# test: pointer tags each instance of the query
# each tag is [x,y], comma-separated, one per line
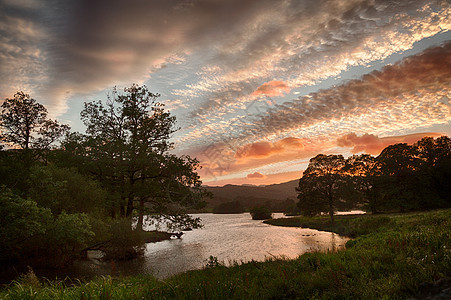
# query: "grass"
[346,225]
[390,258]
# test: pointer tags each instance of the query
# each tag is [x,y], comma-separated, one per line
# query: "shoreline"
[392,256]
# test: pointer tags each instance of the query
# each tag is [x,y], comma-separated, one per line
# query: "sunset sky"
[258,86]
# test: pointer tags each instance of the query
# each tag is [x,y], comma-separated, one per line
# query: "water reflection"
[230,238]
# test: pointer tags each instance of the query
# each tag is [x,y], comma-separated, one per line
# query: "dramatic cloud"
[255,175]
[413,92]
[272,89]
[230,69]
[410,94]
[79,46]
[370,143]
[265,149]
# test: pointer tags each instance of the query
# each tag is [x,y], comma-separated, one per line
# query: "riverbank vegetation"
[63,193]
[393,256]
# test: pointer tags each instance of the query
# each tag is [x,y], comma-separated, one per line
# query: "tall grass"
[389,259]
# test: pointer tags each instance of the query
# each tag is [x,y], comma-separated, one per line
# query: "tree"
[25,124]
[397,170]
[435,169]
[21,117]
[260,213]
[361,171]
[126,149]
[323,186]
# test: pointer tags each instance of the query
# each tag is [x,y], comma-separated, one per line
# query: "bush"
[33,235]
[125,243]
[261,213]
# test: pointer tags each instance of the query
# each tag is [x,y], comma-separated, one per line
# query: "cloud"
[255,175]
[266,149]
[272,89]
[92,46]
[269,179]
[312,41]
[372,144]
[407,94]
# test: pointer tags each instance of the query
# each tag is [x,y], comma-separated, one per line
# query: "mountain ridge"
[251,195]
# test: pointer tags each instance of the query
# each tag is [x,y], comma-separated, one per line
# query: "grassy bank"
[346,225]
[390,258]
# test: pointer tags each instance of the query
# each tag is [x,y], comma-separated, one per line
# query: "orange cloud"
[272,89]
[372,144]
[269,179]
[256,175]
[266,149]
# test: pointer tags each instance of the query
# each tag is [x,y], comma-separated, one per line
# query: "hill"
[250,195]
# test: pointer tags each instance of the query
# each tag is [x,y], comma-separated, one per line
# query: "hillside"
[250,195]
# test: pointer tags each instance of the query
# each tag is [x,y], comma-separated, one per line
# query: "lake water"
[230,238]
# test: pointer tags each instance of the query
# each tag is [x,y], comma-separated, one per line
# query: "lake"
[230,238]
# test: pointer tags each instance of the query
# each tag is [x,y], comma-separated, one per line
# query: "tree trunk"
[331,210]
[140,224]
[129,207]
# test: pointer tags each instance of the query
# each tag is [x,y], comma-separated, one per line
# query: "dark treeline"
[63,192]
[402,178]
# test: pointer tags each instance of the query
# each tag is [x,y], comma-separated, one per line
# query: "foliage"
[21,117]
[213,262]
[121,167]
[324,186]
[32,234]
[126,149]
[391,263]
[402,178]
[20,221]
[260,213]
[65,189]
[232,207]
[124,242]
[26,124]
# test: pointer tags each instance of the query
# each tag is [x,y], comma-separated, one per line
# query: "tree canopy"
[126,148]
[323,185]
[402,178]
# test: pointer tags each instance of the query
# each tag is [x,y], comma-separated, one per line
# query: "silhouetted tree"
[362,173]
[21,117]
[25,124]
[261,213]
[435,169]
[323,186]
[397,168]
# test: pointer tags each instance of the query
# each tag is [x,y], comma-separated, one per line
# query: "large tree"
[324,186]
[127,148]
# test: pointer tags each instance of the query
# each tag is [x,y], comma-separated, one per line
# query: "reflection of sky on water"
[230,238]
[235,238]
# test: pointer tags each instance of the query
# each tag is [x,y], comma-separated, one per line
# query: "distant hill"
[250,195]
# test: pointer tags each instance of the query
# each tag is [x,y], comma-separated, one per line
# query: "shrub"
[260,213]
[125,243]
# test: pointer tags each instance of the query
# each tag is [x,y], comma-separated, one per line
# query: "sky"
[258,87]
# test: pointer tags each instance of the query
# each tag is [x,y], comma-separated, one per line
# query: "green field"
[391,257]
